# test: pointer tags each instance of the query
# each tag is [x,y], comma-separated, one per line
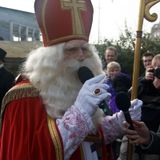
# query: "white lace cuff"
[74,126]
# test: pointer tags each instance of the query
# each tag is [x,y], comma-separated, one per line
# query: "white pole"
[99,14]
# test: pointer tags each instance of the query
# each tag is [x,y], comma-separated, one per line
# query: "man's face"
[110,56]
[76,49]
[147,61]
[78,53]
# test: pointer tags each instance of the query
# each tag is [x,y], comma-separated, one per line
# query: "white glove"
[135,109]
[87,101]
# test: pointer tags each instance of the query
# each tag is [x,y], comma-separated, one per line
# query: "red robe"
[27,132]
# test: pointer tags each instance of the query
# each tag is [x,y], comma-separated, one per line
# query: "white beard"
[57,79]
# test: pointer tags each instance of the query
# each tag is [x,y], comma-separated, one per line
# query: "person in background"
[110,55]
[149,93]
[112,69]
[117,81]
[147,59]
[50,114]
[6,77]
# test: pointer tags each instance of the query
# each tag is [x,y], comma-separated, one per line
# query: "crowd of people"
[147,132]
[48,113]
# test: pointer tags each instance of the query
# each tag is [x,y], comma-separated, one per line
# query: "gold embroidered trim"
[95,139]
[75,8]
[81,152]
[43,19]
[19,91]
[55,138]
[78,34]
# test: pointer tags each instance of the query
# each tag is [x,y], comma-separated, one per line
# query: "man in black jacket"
[149,93]
[6,78]
[148,131]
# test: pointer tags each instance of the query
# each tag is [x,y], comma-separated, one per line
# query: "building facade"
[155,31]
[16,25]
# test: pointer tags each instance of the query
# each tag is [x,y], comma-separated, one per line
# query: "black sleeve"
[154,146]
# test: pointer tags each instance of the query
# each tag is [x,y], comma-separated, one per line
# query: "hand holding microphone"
[85,74]
[91,94]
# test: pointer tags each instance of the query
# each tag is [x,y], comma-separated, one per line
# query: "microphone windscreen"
[123,101]
[84,74]
[121,82]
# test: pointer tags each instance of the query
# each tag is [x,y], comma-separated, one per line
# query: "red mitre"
[64,20]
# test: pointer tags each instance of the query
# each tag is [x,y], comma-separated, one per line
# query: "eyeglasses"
[84,48]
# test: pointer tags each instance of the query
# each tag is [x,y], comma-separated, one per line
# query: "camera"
[156,72]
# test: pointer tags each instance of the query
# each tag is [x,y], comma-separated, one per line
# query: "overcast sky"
[110,16]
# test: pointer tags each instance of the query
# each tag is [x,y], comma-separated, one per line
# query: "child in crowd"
[112,69]
[117,81]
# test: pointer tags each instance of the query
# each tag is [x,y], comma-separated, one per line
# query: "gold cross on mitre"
[75,6]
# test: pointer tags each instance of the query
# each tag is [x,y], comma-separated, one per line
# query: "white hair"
[56,78]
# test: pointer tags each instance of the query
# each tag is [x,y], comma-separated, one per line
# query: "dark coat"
[151,104]
[154,147]
[150,114]
[6,82]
